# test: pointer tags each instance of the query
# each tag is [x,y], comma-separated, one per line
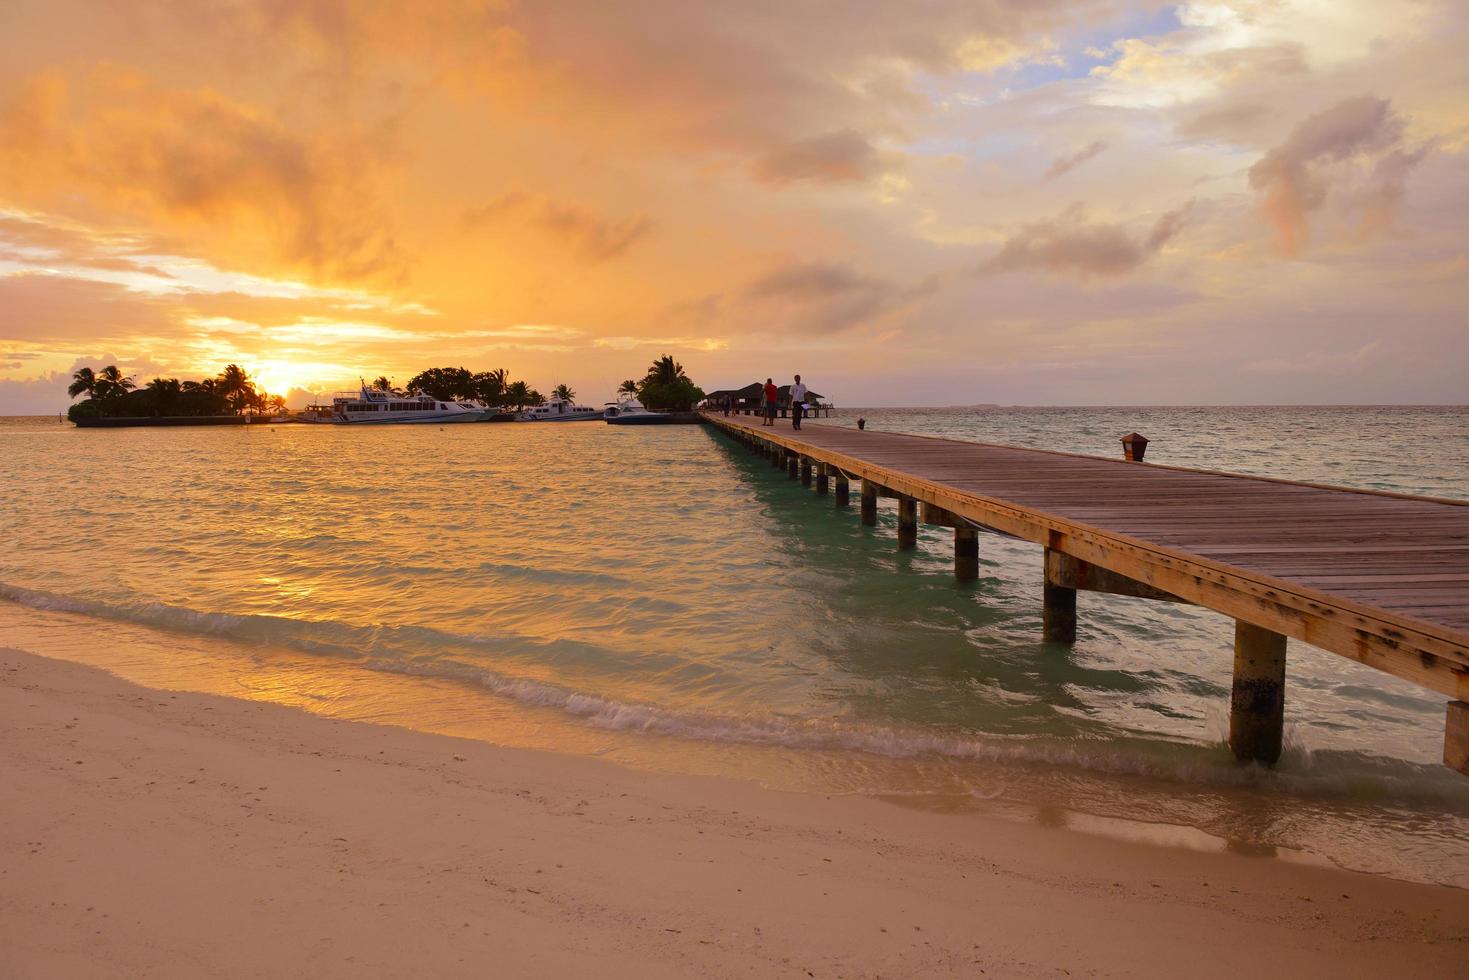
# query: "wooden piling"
[966,554]
[777,457]
[1058,612]
[907,523]
[823,478]
[1257,702]
[1456,737]
[844,489]
[1249,548]
[805,471]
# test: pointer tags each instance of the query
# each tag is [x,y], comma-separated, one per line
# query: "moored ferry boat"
[371,406]
[559,410]
[627,410]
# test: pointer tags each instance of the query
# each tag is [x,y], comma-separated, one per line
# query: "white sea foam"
[399,650]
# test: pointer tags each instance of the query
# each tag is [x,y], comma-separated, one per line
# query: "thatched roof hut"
[753,396]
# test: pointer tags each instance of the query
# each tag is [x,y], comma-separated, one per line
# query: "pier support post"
[777,457]
[823,478]
[869,503]
[805,471]
[844,490]
[1456,737]
[791,464]
[966,554]
[1058,615]
[1257,702]
[907,523]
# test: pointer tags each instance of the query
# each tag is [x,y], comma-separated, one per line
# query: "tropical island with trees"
[233,396]
[111,395]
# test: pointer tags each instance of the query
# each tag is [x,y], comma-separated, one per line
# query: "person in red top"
[771,394]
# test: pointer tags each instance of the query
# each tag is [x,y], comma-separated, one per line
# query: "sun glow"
[279,377]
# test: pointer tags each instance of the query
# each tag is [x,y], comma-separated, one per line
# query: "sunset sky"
[934,202]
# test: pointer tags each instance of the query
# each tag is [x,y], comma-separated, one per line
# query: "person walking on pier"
[798,402]
[771,393]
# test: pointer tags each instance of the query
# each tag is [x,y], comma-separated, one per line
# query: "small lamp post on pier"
[1134,446]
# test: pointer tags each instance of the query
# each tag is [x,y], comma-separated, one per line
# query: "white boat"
[558,410]
[627,410]
[369,406]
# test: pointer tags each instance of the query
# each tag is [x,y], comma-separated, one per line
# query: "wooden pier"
[1379,578]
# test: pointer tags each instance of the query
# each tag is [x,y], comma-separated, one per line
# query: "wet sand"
[165,834]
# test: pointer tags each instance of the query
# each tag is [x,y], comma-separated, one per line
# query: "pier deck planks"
[1380,578]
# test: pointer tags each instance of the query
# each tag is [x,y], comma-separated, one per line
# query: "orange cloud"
[193,166]
[589,236]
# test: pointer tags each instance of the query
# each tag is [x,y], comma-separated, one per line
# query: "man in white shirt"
[798,402]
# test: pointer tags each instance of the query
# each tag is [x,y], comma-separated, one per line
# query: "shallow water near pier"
[663,598]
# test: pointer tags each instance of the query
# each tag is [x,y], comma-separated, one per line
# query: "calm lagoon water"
[662,598]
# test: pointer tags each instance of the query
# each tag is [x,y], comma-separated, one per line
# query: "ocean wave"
[422,652]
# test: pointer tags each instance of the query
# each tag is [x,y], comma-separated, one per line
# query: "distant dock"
[1380,578]
[164,421]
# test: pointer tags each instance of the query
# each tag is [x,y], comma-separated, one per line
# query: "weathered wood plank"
[1268,552]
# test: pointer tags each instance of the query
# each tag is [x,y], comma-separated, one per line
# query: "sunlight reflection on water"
[666,599]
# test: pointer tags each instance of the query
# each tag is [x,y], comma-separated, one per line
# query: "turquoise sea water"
[662,597]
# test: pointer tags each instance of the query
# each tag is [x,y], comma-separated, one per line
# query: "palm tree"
[382,383]
[489,386]
[111,383]
[518,394]
[235,384]
[166,393]
[203,397]
[83,380]
[628,387]
[665,371]
[564,393]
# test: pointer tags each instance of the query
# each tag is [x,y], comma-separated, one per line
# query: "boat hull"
[426,420]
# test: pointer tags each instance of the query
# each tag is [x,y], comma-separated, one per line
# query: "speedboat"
[372,406]
[629,411]
[558,410]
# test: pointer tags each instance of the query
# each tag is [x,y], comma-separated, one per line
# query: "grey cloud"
[1232,123]
[811,281]
[1070,161]
[1070,244]
[844,156]
[827,296]
[1294,178]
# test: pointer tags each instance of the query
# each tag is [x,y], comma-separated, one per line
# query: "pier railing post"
[823,478]
[869,503]
[805,471]
[844,489]
[1456,737]
[907,523]
[1058,613]
[1257,701]
[966,554]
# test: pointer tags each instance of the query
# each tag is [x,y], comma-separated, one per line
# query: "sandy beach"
[175,834]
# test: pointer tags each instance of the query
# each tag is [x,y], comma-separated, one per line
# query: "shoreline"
[175,833]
